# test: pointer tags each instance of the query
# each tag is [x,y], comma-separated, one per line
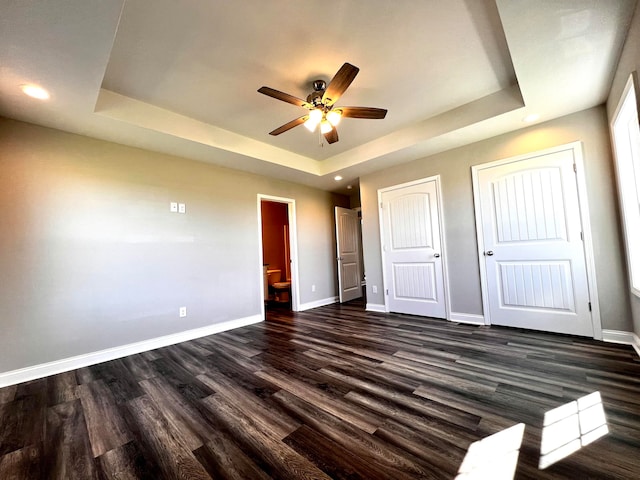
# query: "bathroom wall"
[91,258]
[274,218]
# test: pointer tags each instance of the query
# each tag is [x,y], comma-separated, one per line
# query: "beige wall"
[91,257]
[629,62]
[454,166]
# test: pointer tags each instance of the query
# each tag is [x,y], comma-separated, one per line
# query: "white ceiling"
[182,77]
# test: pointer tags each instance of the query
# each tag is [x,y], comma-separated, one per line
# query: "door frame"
[339,258]
[581,185]
[443,243]
[293,249]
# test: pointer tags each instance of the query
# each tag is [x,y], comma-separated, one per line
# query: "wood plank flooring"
[334,392]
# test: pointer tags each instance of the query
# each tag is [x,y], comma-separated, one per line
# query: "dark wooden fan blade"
[331,136]
[290,125]
[285,97]
[339,84]
[363,112]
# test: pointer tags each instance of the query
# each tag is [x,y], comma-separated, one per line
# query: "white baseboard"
[317,303]
[626,338]
[64,365]
[376,307]
[470,318]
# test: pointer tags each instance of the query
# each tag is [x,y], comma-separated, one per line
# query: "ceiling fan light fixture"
[310,125]
[325,127]
[315,117]
[334,116]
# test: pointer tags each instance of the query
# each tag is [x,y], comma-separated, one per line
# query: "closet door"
[534,257]
[411,244]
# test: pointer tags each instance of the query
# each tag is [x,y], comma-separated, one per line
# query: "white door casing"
[348,248]
[413,270]
[532,233]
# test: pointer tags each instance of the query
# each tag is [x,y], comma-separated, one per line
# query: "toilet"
[281,290]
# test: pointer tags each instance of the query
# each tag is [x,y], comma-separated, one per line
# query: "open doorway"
[278,252]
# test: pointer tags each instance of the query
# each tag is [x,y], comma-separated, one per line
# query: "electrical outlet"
[374,288]
[313,288]
[173,207]
[182,208]
[183,312]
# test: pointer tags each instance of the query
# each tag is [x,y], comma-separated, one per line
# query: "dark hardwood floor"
[334,392]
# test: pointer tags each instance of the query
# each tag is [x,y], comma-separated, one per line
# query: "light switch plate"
[173,207]
[182,208]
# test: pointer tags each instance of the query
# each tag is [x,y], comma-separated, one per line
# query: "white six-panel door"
[412,250]
[348,247]
[532,239]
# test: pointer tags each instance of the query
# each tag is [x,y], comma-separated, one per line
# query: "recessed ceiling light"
[349,187]
[337,178]
[531,118]
[35,92]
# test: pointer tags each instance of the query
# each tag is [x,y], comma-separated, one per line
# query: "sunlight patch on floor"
[494,457]
[570,427]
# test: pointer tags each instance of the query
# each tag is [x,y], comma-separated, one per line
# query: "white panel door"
[412,252]
[348,247]
[536,275]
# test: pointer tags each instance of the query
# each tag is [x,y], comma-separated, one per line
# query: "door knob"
[489,253]
[436,255]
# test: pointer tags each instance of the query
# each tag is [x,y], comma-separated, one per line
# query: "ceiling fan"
[321,105]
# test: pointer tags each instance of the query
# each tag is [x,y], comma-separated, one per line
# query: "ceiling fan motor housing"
[319,85]
[315,98]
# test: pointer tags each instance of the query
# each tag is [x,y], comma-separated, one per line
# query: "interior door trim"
[576,149]
[443,242]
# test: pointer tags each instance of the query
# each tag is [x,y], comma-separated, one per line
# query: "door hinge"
[381,205]
[582,236]
[386,291]
[589,306]
[575,168]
